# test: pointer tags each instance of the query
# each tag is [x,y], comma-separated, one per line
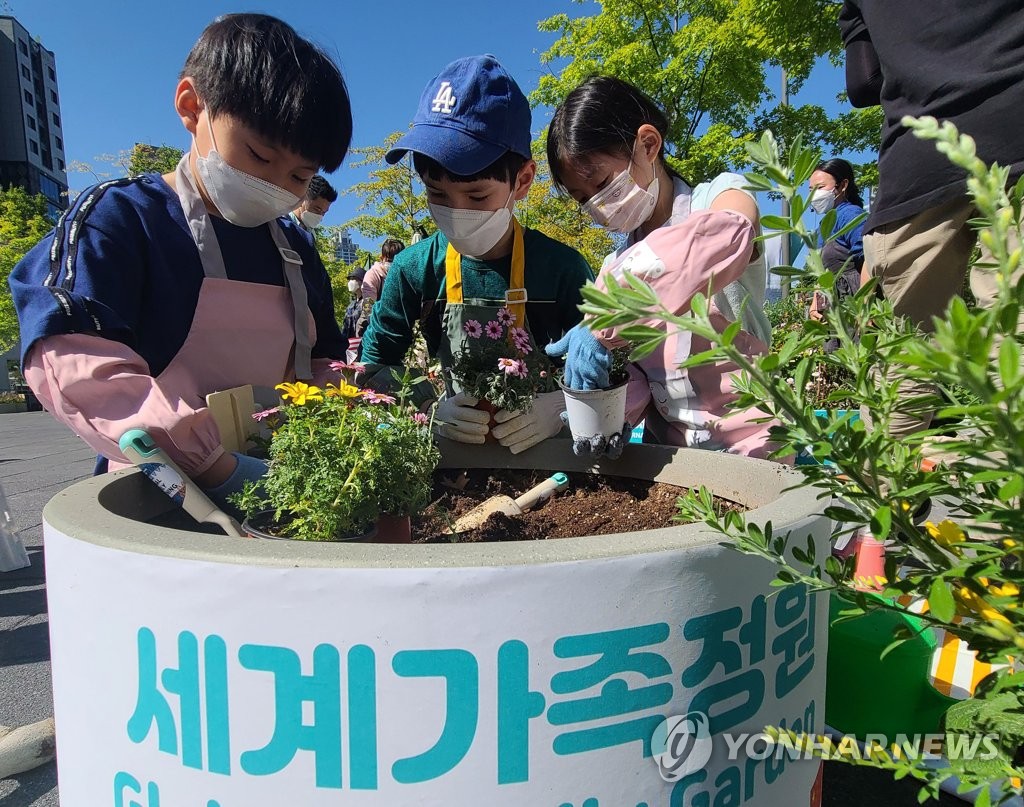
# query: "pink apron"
[242,333]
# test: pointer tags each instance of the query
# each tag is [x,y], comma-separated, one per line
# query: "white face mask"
[311,219]
[472,232]
[823,200]
[242,199]
[621,206]
[354,286]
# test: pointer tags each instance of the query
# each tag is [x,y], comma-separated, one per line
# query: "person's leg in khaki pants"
[920,263]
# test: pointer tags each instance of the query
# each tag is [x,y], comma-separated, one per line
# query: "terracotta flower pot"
[487,406]
[393,530]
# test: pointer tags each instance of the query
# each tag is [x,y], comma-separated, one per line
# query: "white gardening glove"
[456,419]
[518,431]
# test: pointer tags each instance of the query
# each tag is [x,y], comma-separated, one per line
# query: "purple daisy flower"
[473,329]
[494,329]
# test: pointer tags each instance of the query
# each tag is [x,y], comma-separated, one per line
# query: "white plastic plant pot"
[595,413]
[194,668]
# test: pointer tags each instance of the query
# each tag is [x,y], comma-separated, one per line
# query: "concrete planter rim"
[88,511]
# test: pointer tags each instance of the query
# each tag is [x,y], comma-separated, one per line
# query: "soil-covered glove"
[587,361]
[518,431]
[598,445]
[456,419]
[248,469]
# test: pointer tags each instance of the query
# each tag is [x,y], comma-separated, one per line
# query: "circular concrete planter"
[198,669]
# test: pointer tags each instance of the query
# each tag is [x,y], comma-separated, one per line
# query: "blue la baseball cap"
[470,114]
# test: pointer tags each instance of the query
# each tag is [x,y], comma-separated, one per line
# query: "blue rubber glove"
[587,361]
[249,469]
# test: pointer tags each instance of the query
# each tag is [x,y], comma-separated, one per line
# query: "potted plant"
[499,365]
[345,464]
[960,578]
[597,415]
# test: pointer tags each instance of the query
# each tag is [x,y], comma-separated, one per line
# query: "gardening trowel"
[139,447]
[509,506]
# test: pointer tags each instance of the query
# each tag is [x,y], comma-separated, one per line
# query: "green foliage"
[146,159]
[706,64]
[825,383]
[393,197]
[970,568]
[500,364]
[342,457]
[23,222]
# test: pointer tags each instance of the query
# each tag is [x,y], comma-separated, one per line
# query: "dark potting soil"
[591,505]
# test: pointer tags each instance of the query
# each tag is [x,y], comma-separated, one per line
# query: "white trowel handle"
[544,490]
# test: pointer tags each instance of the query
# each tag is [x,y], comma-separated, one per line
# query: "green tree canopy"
[394,201]
[23,222]
[706,63]
[145,159]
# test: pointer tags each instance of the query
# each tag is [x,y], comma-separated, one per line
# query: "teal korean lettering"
[124,783]
[794,611]
[461,676]
[615,658]
[198,698]
[291,690]
[517,705]
[724,637]
[362,718]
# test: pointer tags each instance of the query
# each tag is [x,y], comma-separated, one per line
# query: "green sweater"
[414,290]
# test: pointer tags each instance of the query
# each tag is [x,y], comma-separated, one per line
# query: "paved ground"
[39,457]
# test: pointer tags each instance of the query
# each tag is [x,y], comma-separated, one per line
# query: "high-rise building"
[31,135]
[345,249]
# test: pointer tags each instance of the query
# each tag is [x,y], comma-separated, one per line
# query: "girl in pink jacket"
[605,149]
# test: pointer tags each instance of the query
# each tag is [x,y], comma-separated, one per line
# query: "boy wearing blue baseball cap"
[470,142]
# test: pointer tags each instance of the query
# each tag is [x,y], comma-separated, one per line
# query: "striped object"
[954,670]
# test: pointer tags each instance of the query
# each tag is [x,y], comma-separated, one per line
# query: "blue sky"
[118,61]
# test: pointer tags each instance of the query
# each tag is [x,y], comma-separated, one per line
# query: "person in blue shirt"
[153,292]
[833,187]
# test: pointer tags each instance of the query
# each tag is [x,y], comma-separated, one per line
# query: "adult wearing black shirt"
[956,61]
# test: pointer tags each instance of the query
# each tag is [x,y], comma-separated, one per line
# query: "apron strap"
[515,297]
[292,263]
[199,222]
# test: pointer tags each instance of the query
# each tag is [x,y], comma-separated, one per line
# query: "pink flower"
[543,373]
[515,367]
[473,329]
[344,366]
[494,329]
[421,418]
[506,317]
[521,340]
[370,396]
[266,413]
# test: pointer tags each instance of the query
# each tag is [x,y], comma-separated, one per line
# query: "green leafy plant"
[499,363]
[340,457]
[969,567]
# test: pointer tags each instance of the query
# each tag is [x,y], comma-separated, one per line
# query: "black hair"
[839,170]
[320,188]
[601,115]
[505,169]
[257,69]
[390,248]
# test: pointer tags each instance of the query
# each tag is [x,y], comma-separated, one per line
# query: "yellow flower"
[1009,543]
[346,390]
[946,534]
[1005,590]
[976,604]
[300,392]
[905,505]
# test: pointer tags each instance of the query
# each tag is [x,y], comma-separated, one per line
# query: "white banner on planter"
[199,684]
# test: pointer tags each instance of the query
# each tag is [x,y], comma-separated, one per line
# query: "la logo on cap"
[444,101]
